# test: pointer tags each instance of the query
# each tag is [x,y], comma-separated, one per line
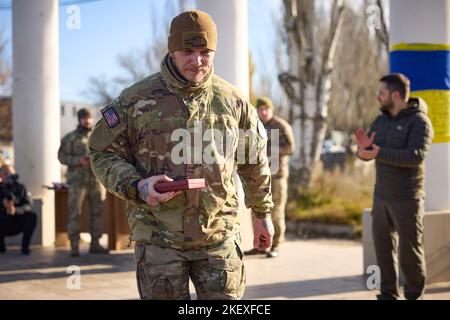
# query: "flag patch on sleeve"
[111,117]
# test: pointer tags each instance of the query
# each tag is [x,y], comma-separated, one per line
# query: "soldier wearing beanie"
[286,144]
[84,113]
[73,153]
[190,234]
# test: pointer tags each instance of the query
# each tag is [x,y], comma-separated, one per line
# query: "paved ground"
[306,269]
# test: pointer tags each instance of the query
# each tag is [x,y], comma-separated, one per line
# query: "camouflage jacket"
[135,140]
[74,146]
[286,145]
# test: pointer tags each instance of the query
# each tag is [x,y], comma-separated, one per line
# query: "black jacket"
[13,189]
[404,141]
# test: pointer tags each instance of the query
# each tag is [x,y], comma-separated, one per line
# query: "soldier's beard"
[198,77]
[86,127]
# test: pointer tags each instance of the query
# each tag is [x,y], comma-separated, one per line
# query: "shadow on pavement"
[437,290]
[46,263]
[306,288]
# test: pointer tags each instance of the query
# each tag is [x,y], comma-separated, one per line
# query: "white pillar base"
[437,186]
[436,242]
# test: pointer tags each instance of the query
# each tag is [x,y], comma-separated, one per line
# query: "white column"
[427,22]
[36,110]
[232,47]
[232,64]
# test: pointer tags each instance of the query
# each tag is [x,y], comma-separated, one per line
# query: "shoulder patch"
[111,117]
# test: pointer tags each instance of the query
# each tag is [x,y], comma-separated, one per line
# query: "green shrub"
[334,197]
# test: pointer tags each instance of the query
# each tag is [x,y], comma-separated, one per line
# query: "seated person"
[16,212]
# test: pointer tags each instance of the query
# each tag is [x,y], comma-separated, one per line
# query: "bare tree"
[308,84]
[381,30]
[359,64]
[274,63]
[101,90]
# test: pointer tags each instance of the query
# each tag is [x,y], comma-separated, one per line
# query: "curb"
[307,229]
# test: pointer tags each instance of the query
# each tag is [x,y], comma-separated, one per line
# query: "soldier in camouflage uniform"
[194,233]
[280,177]
[73,153]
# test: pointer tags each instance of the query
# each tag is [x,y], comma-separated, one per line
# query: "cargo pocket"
[141,277]
[155,282]
[243,276]
[226,274]
[161,280]
[239,249]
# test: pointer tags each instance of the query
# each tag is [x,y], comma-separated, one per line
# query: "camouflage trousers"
[78,192]
[217,273]
[279,197]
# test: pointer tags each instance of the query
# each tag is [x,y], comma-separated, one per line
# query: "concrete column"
[231,17]
[232,64]
[36,110]
[427,23]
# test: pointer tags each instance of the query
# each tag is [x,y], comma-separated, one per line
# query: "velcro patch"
[111,117]
[195,39]
[196,42]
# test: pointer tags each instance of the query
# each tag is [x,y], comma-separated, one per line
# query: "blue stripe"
[427,70]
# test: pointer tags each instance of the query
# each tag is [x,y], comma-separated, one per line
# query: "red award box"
[178,185]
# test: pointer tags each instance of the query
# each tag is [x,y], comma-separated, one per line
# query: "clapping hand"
[363,140]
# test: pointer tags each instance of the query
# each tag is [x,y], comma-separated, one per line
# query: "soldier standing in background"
[73,153]
[271,122]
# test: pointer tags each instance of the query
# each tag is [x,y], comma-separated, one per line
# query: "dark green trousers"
[398,232]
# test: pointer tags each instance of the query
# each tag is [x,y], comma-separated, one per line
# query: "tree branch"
[286,81]
[337,21]
[382,33]
[306,30]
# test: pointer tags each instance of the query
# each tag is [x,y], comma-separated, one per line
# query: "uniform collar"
[180,85]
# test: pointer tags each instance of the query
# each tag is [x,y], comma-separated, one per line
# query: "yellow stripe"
[419,47]
[438,102]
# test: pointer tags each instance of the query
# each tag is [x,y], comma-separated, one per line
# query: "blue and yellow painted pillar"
[420,49]
[428,68]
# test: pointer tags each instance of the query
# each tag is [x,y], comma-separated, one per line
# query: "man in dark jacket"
[16,212]
[398,141]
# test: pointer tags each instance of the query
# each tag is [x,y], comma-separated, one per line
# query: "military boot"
[253,252]
[74,249]
[273,253]
[97,248]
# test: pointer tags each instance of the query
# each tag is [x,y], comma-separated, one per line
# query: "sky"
[109,28]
